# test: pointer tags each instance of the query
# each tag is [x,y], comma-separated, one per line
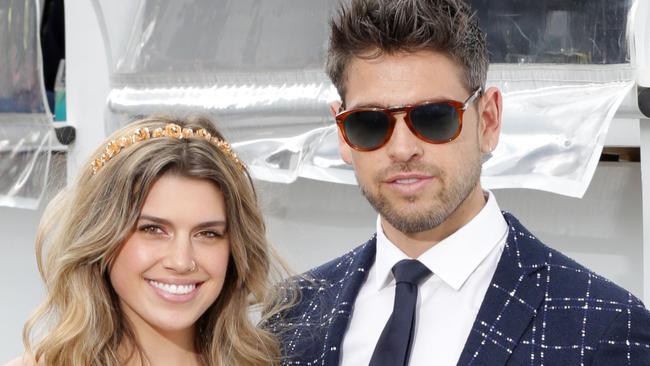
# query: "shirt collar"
[454,258]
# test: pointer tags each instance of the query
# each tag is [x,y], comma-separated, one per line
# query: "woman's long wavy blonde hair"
[80,322]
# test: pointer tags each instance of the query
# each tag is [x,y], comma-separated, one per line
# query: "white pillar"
[644,125]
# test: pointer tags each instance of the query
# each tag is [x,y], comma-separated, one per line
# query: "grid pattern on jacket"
[541,308]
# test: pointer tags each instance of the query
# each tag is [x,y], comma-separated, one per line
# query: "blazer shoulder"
[614,321]
[569,274]
[566,277]
[322,296]
[337,268]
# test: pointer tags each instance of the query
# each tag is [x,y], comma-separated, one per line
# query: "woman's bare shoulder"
[24,360]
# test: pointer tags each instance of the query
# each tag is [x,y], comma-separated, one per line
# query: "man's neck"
[414,244]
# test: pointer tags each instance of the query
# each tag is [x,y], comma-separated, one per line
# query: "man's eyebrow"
[387,106]
[369,105]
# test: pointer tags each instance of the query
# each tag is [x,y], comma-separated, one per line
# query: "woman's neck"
[161,348]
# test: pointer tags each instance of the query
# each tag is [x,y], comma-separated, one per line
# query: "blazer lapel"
[511,301]
[355,275]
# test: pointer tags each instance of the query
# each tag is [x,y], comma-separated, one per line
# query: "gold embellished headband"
[170,130]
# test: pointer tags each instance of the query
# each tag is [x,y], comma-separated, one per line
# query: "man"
[448,279]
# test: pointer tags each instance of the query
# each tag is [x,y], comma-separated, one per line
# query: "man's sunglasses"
[367,129]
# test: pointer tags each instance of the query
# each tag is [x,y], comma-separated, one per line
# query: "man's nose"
[403,145]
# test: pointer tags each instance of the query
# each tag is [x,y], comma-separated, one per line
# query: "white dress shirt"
[448,300]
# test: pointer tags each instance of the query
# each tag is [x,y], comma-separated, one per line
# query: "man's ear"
[490,109]
[344,149]
[335,106]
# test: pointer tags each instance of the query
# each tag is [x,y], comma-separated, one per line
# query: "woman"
[153,256]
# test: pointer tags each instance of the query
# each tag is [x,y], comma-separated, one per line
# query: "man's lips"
[408,178]
[408,183]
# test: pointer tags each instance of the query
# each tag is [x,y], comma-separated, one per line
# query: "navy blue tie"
[394,345]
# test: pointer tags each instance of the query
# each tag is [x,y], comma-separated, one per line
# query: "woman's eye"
[209,234]
[151,229]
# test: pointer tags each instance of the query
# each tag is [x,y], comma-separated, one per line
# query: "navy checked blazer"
[541,308]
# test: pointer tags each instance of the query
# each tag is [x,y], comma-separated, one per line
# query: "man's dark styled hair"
[371,28]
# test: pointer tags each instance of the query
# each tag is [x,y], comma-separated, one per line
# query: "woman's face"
[173,266]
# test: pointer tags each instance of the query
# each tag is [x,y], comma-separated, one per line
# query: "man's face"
[413,184]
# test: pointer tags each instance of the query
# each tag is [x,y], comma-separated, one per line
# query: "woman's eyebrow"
[159,220]
[155,219]
[215,223]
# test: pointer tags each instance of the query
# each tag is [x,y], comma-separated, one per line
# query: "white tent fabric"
[256,68]
[25,121]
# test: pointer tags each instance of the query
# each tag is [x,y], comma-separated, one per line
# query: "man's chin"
[412,221]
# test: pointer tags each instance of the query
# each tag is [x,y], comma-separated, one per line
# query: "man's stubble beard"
[438,208]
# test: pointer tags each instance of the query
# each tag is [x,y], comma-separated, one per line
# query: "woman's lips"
[175,291]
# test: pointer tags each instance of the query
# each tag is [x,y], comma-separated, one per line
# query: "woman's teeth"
[173,289]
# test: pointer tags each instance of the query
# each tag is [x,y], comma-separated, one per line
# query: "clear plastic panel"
[555,31]
[20,75]
[257,68]
[554,125]
[25,123]
[238,36]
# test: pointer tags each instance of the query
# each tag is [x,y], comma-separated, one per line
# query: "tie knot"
[410,271]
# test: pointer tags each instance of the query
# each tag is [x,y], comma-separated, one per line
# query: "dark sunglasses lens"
[366,129]
[437,122]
